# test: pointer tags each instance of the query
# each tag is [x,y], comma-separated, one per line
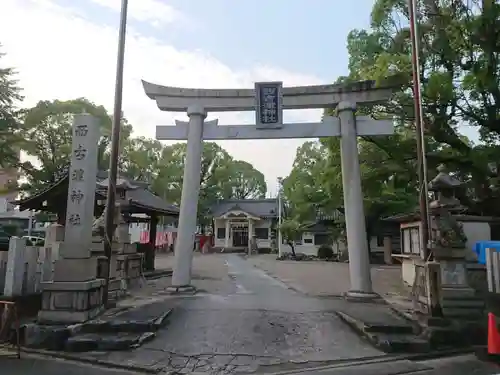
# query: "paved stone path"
[252,322]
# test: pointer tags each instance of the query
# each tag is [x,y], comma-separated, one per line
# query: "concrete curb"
[92,361]
[374,360]
[341,364]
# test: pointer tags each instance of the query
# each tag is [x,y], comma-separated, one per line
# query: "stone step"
[399,343]
[107,341]
[386,331]
[388,324]
[388,328]
[128,323]
[459,334]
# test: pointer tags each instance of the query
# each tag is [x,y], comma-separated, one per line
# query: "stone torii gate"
[269,99]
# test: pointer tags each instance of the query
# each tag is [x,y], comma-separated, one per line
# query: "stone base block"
[54,233]
[361,296]
[103,264]
[129,248]
[97,248]
[184,289]
[120,266]
[71,302]
[133,270]
[75,270]
[117,288]
[73,251]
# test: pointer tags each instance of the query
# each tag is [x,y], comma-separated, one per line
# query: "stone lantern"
[456,297]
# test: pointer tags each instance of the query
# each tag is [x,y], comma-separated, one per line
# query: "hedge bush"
[325,252]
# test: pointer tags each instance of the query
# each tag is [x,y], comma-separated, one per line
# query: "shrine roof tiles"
[264,208]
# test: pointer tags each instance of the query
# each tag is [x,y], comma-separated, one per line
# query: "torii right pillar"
[359,258]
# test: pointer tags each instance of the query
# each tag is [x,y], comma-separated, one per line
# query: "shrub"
[325,252]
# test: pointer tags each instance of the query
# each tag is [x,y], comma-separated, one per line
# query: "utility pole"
[431,271]
[115,146]
[419,129]
[280,217]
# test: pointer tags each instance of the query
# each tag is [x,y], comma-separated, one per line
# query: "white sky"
[61,54]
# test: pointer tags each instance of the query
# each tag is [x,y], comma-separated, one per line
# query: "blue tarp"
[480,249]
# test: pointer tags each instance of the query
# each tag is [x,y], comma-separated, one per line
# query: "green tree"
[140,158]
[315,184]
[291,230]
[10,96]
[460,75]
[304,187]
[221,177]
[245,182]
[47,138]
[214,170]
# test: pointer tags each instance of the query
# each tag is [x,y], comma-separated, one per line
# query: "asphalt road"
[459,365]
[263,319]
[33,365]
[462,365]
[260,327]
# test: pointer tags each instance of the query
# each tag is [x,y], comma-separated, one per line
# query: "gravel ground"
[318,278]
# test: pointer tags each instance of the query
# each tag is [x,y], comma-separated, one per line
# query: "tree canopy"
[46,133]
[46,139]
[10,98]
[222,177]
[460,74]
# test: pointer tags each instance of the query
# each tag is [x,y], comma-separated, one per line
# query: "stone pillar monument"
[181,276]
[359,258]
[75,295]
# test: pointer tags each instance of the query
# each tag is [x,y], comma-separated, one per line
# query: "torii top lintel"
[178,99]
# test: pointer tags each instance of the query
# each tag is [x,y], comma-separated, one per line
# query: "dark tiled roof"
[317,227]
[140,196]
[265,208]
[146,199]
[102,175]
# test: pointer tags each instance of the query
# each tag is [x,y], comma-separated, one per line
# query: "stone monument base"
[451,295]
[117,288]
[361,296]
[133,271]
[71,302]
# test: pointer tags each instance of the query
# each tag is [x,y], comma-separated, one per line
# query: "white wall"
[305,246]
[264,243]
[308,247]
[219,242]
[4,205]
[408,271]
[261,243]
[475,231]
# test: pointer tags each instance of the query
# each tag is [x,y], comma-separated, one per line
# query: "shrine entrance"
[239,233]
[268,100]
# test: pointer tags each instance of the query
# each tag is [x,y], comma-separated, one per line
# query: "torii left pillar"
[181,276]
